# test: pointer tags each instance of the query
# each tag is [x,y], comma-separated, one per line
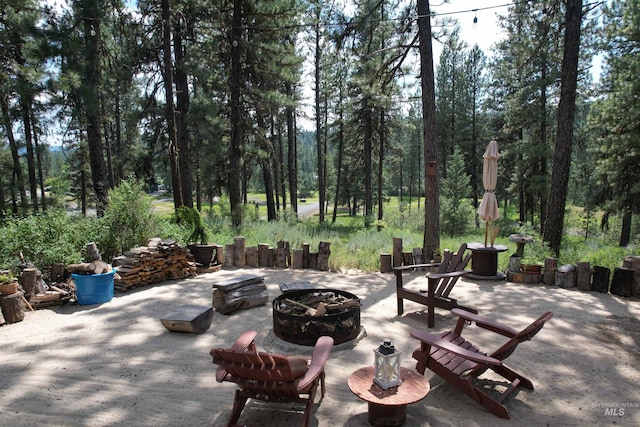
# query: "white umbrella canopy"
[488,209]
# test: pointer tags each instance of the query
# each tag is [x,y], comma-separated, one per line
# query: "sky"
[485,33]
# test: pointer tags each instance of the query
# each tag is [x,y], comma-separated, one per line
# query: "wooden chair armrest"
[450,274]
[412,266]
[243,343]
[436,341]
[318,359]
[485,323]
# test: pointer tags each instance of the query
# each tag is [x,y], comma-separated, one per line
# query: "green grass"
[352,244]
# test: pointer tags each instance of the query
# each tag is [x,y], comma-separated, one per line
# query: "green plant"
[191,219]
[128,221]
[7,277]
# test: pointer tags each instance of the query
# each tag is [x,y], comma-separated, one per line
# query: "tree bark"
[431,212]
[182,104]
[17,168]
[92,20]
[291,154]
[566,115]
[235,140]
[167,66]
[321,184]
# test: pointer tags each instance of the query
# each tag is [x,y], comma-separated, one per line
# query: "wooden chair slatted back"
[254,367]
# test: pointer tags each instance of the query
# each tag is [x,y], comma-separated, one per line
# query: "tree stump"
[549,274]
[272,257]
[313,261]
[297,259]
[251,255]
[385,263]
[407,258]
[397,251]
[263,255]
[228,255]
[13,307]
[189,318]
[566,276]
[32,282]
[57,273]
[239,293]
[583,274]
[219,254]
[305,255]
[417,256]
[287,251]
[281,257]
[622,282]
[92,252]
[600,282]
[323,256]
[239,256]
[633,262]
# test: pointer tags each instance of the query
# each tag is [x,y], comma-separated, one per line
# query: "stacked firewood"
[159,261]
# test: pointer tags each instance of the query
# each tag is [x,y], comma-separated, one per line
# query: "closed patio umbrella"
[488,209]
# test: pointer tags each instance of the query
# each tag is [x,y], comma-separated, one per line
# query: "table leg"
[383,415]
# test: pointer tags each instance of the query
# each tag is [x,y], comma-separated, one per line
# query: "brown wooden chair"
[271,377]
[460,362]
[439,284]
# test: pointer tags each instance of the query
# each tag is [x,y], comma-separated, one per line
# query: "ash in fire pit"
[302,316]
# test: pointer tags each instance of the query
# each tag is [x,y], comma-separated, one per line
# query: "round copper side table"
[388,407]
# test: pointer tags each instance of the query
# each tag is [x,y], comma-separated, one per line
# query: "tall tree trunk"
[431,241]
[25,106]
[566,114]
[91,100]
[182,104]
[625,233]
[366,154]
[107,142]
[17,168]
[339,160]
[170,113]
[380,166]
[38,149]
[321,184]
[292,151]
[235,140]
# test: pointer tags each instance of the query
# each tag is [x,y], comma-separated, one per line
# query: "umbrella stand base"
[484,261]
[499,276]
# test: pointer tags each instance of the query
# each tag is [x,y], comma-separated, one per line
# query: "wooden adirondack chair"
[271,377]
[460,362]
[439,284]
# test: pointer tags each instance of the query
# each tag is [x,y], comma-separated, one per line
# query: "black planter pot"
[202,254]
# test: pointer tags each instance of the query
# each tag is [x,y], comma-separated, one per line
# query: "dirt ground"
[114,364]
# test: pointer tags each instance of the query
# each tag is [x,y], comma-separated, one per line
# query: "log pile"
[317,304]
[159,261]
[56,293]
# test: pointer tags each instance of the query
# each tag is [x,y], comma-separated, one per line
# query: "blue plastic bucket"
[94,288]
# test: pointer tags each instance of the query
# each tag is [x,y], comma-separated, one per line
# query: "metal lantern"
[386,365]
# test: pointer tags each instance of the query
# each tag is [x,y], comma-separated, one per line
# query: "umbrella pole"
[486,232]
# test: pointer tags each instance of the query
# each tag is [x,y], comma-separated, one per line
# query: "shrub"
[128,221]
[44,239]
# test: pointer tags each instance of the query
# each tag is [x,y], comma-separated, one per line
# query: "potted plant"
[197,240]
[8,283]
[530,266]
